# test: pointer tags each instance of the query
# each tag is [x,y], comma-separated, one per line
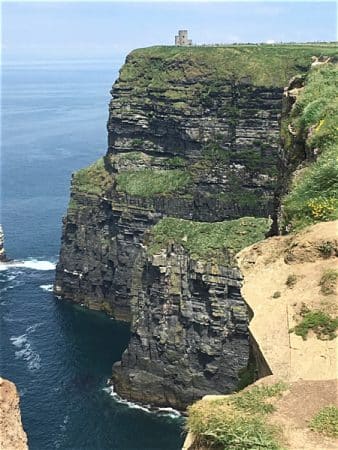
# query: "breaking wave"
[25,350]
[170,412]
[47,287]
[34,264]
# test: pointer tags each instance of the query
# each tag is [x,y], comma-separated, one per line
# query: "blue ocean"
[59,355]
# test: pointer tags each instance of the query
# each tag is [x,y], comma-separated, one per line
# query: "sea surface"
[59,355]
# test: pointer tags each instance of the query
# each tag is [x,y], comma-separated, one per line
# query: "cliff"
[294,325]
[12,436]
[290,286]
[193,142]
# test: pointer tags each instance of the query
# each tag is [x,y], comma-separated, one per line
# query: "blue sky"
[109,30]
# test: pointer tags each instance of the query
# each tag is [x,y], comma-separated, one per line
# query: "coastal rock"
[3,257]
[12,435]
[189,331]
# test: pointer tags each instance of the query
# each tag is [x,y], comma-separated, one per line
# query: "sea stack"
[2,248]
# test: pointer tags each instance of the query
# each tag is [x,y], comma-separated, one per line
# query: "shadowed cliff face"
[189,331]
[192,134]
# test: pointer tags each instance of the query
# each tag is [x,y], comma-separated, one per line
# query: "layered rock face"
[189,331]
[192,134]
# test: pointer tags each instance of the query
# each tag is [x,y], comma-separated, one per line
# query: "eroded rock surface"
[12,434]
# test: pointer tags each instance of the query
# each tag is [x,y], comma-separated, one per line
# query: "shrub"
[322,208]
[319,322]
[291,280]
[327,249]
[276,294]
[326,421]
[328,281]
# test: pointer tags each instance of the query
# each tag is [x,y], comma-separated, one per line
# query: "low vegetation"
[149,182]
[208,239]
[237,421]
[327,249]
[322,324]
[267,65]
[314,193]
[326,421]
[94,179]
[291,280]
[328,281]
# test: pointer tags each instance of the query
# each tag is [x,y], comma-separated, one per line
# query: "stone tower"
[182,38]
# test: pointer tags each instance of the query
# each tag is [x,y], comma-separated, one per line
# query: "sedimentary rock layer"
[192,134]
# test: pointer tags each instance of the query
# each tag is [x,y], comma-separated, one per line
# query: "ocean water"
[60,355]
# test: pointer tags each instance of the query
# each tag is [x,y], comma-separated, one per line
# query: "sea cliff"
[188,180]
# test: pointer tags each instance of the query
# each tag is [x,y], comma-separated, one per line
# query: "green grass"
[148,182]
[326,421]
[314,194]
[238,421]
[208,239]
[328,281]
[323,325]
[266,65]
[94,179]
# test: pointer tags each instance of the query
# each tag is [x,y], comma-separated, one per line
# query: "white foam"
[18,341]
[32,328]
[47,287]
[26,351]
[34,264]
[33,358]
[146,408]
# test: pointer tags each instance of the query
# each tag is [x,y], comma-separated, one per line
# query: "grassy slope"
[237,422]
[314,193]
[208,239]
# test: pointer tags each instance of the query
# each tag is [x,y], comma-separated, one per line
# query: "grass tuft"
[323,325]
[237,421]
[328,281]
[291,280]
[326,421]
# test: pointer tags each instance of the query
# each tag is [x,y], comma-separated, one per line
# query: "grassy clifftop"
[266,65]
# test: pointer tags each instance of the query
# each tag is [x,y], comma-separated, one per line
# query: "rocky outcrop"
[12,436]
[192,134]
[189,331]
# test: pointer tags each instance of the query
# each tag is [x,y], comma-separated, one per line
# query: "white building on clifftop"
[182,38]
